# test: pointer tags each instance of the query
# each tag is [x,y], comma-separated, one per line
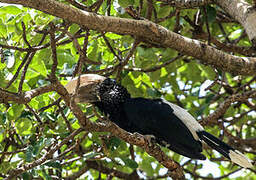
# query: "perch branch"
[148,31]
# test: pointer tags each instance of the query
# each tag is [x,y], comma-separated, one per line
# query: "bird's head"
[88,88]
[95,88]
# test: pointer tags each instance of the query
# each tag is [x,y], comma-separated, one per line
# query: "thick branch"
[149,32]
[6,96]
[176,171]
[28,95]
[220,111]
[187,3]
[24,98]
[243,12]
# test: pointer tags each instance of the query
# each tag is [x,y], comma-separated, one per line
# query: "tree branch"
[152,149]
[24,98]
[243,12]
[149,32]
[156,67]
[213,117]
[185,4]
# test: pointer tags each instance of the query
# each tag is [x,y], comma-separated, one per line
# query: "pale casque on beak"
[87,90]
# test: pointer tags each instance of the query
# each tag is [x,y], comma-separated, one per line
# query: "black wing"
[154,117]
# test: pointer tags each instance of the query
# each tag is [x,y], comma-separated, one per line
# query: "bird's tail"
[227,151]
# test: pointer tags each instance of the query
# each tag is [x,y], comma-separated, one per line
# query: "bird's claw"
[151,139]
[165,144]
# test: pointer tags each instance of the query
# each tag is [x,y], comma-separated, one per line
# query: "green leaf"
[235,34]
[40,67]
[146,166]
[146,79]
[127,80]
[64,56]
[15,111]
[209,97]
[3,118]
[32,73]
[5,167]
[175,86]
[164,11]
[2,136]
[200,111]
[14,10]
[45,175]
[125,3]
[74,28]
[154,76]
[193,72]
[3,28]
[230,112]
[29,153]
[75,125]
[147,53]
[163,72]
[53,164]
[2,66]
[92,50]
[207,72]
[23,126]
[211,13]
[113,143]
[113,36]
[43,55]
[39,145]
[25,176]
[183,68]
[130,163]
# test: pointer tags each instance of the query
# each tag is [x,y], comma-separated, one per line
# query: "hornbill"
[169,124]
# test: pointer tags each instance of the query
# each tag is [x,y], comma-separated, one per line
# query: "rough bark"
[187,3]
[243,12]
[149,32]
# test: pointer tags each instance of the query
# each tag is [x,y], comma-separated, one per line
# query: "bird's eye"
[109,82]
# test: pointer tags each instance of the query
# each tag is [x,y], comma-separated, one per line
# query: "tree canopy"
[198,54]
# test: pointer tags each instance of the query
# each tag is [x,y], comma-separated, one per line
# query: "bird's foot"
[151,139]
[165,144]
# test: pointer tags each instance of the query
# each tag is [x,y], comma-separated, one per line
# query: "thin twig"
[23,74]
[54,51]
[156,67]
[35,114]
[78,5]
[207,25]
[110,47]
[24,34]
[127,58]
[18,70]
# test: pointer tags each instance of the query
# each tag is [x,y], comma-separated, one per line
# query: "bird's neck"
[111,101]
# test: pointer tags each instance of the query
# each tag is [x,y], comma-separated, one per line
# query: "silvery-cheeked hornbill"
[171,125]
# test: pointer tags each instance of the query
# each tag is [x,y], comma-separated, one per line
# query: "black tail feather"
[215,143]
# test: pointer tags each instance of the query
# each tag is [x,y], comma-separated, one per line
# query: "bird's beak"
[87,92]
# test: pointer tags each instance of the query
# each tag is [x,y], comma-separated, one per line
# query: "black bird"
[169,124]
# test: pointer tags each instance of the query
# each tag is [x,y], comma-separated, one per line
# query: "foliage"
[28,131]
